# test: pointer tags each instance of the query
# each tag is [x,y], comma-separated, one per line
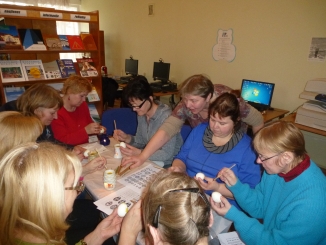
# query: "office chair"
[185,131]
[125,118]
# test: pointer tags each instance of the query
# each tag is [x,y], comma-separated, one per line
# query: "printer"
[313,112]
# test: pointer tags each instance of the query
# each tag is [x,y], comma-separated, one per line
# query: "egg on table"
[216,196]
[122,210]
[86,153]
[123,144]
[200,175]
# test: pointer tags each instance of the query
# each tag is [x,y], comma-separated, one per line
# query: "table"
[276,113]
[291,118]
[95,187]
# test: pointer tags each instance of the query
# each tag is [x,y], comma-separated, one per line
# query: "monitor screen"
[258,94]
[131,67]
[161,71]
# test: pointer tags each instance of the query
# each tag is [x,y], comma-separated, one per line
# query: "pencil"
[220,175]
[115,125]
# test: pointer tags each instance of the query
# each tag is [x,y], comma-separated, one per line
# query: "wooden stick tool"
[220,175]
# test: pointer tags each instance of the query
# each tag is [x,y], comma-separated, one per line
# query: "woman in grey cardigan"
[150,115]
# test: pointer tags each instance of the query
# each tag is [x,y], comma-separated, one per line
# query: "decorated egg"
[123,144]
[102,131]
[216,196]
[200,175]
[86,153]
[122,210]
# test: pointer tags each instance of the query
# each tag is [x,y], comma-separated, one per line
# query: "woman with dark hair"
[219,144]
[151,115]
[197,93]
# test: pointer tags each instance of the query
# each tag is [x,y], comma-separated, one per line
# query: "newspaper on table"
[132,190]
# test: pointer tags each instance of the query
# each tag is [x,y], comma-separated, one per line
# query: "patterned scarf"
[211,147]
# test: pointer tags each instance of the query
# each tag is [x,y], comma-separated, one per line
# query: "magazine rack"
[45,19]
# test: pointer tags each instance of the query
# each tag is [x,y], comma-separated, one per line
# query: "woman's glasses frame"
[80,187]
[138,106]
[192,190]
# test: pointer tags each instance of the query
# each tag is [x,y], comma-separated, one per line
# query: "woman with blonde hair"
[290,198]
[74,123]
[16,129]
[175,210]
[38,186]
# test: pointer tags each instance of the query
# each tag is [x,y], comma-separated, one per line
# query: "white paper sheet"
[230,238]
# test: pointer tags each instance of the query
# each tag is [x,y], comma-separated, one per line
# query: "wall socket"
[150,9]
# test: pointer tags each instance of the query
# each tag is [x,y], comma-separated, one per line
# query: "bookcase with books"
[15,74]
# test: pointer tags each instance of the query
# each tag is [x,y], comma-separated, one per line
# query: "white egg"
[216,196]
[102,131]
[200,175]
[86,153]
[122,210]
[123,144]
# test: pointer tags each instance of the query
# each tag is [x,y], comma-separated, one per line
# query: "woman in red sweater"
[74,123]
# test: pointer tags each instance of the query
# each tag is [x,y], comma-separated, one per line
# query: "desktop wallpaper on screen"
[257,92]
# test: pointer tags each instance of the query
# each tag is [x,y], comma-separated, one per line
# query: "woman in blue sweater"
[221,143]
[290,199]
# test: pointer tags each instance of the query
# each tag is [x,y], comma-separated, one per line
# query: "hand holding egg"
[102,130]
[86,153]
[216,196]
[122,210]
[200,175]
[123,144]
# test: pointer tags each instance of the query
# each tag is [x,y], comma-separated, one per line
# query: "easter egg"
[122,210]
[200,175]
[86,153]
[123,144]
[216,196]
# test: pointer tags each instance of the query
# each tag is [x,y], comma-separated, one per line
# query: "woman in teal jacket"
[290,198]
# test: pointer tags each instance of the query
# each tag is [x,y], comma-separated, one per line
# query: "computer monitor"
[257,94]
[161,71]
[131,67]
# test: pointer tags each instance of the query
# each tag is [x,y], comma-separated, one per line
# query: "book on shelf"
[93,95]
[88,41]
[52,42]
[94,113]
[66,67]
[12,93]
[51,70]
[32,39]
[33,70]
[64,42]
[75,42]
[87,67]
[9,35]
[11,71]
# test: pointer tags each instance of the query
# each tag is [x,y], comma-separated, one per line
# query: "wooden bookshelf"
[45,19]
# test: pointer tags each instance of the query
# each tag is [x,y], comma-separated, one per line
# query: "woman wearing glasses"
[197,93]
[175,210]
[290,198]
[74,124]
[151,115]
[220,143]
[38,186]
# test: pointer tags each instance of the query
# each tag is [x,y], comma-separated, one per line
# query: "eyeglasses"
[263,159]
[193,190]
[80,187]
[138,106]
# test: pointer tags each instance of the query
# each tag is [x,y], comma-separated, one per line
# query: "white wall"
[272,40]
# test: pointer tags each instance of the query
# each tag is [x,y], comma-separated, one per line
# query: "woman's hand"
[93,128]
[121,136]
[208,184]
[228,176]
[130,150]
[221,208]
[131,225]
[79,152]
[177,166]
[94,165]
[104,230]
